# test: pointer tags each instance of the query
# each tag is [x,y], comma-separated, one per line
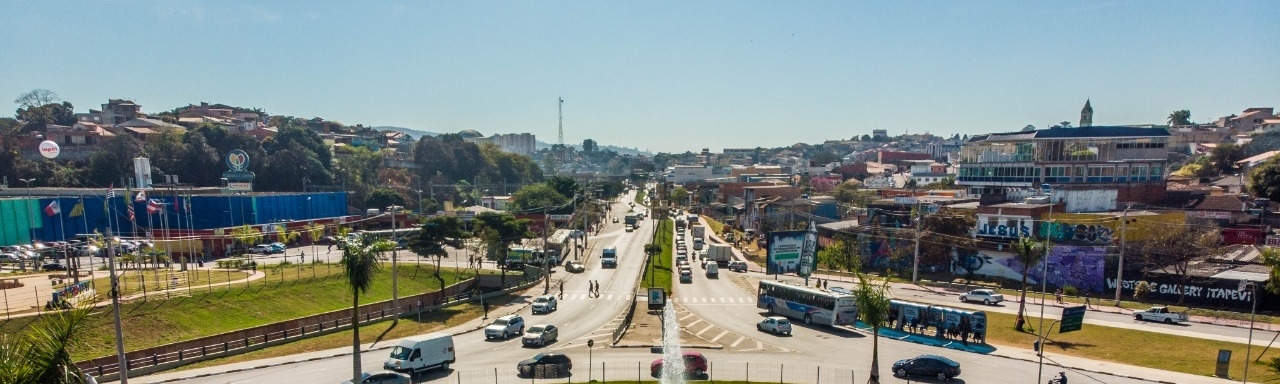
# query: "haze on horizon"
[660,76]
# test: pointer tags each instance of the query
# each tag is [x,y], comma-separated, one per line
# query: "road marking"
[722,333]
[687,316]
[695,322]
[704,330]
[315,370]
[736,342]
[610,297]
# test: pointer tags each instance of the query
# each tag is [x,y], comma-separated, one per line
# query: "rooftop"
[1064,133]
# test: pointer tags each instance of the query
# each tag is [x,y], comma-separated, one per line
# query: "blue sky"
[658,75]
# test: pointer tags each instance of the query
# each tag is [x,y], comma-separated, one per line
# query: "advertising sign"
[49,149]
[240,186]
[238,167]
[1072,319]
[807,255]
[784,249]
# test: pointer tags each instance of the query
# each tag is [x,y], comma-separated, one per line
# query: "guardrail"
[144,363]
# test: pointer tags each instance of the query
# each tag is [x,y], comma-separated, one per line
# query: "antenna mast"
[561,109]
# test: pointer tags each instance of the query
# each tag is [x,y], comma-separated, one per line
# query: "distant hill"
[417,134]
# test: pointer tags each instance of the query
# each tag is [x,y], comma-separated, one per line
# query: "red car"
[695,366]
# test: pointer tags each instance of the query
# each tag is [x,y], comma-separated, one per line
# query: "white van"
[420,353]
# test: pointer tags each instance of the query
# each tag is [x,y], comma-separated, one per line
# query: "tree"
[842,255]
[846,192]
[359,264]
[1174,250]
[498,232]
[113,159]
[1264,179]
[679,195]
[1225,157]
[1180,117]
[652,249]
[539,197]
[873,307]
[36,98]
[589,145]
[247,235]
[1271,259]
[865,138]
[383,197]
[565,186]
[1030,252]
[435,234]
[42,354]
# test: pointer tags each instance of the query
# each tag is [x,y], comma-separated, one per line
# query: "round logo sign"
[237,160]
[49,149]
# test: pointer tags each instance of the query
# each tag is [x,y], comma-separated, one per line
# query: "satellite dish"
[49,149]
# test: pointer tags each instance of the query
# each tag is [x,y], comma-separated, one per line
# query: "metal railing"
[623,371]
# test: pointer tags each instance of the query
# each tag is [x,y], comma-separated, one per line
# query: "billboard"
[784,249]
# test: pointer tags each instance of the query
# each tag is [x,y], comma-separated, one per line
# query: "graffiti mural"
[884,253]
[1090,233]
[1078,266]
[968,261]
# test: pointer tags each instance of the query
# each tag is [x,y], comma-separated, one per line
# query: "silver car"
[383,377]
[986,296]
[540,335]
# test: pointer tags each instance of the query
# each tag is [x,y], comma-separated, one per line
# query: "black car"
[928,365]
[545,365]
[53,267]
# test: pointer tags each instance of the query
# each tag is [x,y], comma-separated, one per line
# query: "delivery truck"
[420,353]
[720,253]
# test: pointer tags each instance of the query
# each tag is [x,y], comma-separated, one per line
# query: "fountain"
[672,357]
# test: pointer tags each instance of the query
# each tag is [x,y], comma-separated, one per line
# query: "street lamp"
[1044,279]
[1253,287]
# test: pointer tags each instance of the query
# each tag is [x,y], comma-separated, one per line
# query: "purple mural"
[1078,266]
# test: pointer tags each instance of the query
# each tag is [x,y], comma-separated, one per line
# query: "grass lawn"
[658,272]
[640,197]
[285,293]
[1148,349]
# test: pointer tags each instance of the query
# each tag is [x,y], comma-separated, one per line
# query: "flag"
[111,194]
[154,206]
[78,209]
[53,209]
[129,204]
[142,196]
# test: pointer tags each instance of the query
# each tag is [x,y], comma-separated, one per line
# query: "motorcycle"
[1061,379]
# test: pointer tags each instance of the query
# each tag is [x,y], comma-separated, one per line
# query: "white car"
[504,327]
[544,304]
[261,248]
[775,324]
[986,296]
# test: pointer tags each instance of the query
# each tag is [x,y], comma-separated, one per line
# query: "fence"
[173,355]
[622,371]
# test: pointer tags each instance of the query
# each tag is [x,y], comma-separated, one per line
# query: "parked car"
[695,365]
[544,304]
[277,247]
[548,363]
[1161,314]
[53,267]
[504,327]
[775,324]
[574,267]
[615,220]
[986,296]
[738,266]
[8,257]
[382,377]
[541,335]
[939,367]
[261,248]
[327,240]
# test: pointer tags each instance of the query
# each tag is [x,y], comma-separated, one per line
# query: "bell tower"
[1086,115]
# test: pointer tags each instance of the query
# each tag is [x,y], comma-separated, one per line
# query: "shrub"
[1071,290]
[1141,290]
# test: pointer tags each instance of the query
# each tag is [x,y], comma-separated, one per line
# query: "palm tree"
[1180,117]
[653,249]
[41,354]
[359,264]
[873,308]
[1030,252]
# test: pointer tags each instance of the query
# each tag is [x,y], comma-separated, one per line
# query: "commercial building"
[1088,169]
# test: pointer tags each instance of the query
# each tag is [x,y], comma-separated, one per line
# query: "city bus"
[812,305]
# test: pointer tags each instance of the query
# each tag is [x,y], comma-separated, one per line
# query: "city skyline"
[666,76]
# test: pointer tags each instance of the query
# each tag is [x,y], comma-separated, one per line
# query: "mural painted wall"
[1097,229]
[1082,267]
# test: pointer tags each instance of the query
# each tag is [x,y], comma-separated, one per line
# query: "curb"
[693,346]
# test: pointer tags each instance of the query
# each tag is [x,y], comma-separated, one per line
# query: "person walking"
[561,290]
[484,306]
[1057,295]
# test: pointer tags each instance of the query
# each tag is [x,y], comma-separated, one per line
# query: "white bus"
[812,305]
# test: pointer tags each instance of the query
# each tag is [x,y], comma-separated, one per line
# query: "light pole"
[395,292]
[1124,225]
[1253,287]
[1044,279]
[30,218]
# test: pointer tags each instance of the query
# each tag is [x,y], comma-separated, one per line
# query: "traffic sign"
[1072,319]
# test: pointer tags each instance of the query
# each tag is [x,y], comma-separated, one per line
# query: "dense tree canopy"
[1264,179]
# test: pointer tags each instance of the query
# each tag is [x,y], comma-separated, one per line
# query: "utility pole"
[561,111]
[915,264]
[546,258]
[395,292]
[1044,279]
[115,310]
[1124,224]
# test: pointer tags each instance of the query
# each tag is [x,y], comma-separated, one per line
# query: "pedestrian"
[1057,295]
[1087,303]
[484,305]
[303,257]
[824,283]
[330,248]
[561,290]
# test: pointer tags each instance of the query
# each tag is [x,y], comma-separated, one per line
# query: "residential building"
[756,170]
[115,111]
[681,174]
[879,134]
[898,158]
[518,143]
[1088,169]
[1256,159]
[499,203]
[1250,120]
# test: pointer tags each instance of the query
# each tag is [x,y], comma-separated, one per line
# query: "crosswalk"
[708,300]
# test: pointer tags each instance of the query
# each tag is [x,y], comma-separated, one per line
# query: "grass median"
[284,293]
[1127,346]
[657,273]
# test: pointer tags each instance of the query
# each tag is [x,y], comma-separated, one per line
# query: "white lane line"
[686,316]
[722,333]
[704,330]
[736,342]
[695,322]
[315,370]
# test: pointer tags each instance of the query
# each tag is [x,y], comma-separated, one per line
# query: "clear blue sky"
[662,75]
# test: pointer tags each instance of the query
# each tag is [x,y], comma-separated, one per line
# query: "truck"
[609,257]
[420,353]
[1161,314]
[720,253]
[699,231]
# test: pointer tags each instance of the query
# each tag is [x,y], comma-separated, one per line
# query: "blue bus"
[812,305]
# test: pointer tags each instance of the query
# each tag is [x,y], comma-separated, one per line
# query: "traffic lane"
[1199,330]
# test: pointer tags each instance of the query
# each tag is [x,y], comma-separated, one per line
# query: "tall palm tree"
[1030,252]
[873,308]
[359,264]
[1180,117]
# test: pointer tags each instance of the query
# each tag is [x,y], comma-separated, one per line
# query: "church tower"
[1086,115]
